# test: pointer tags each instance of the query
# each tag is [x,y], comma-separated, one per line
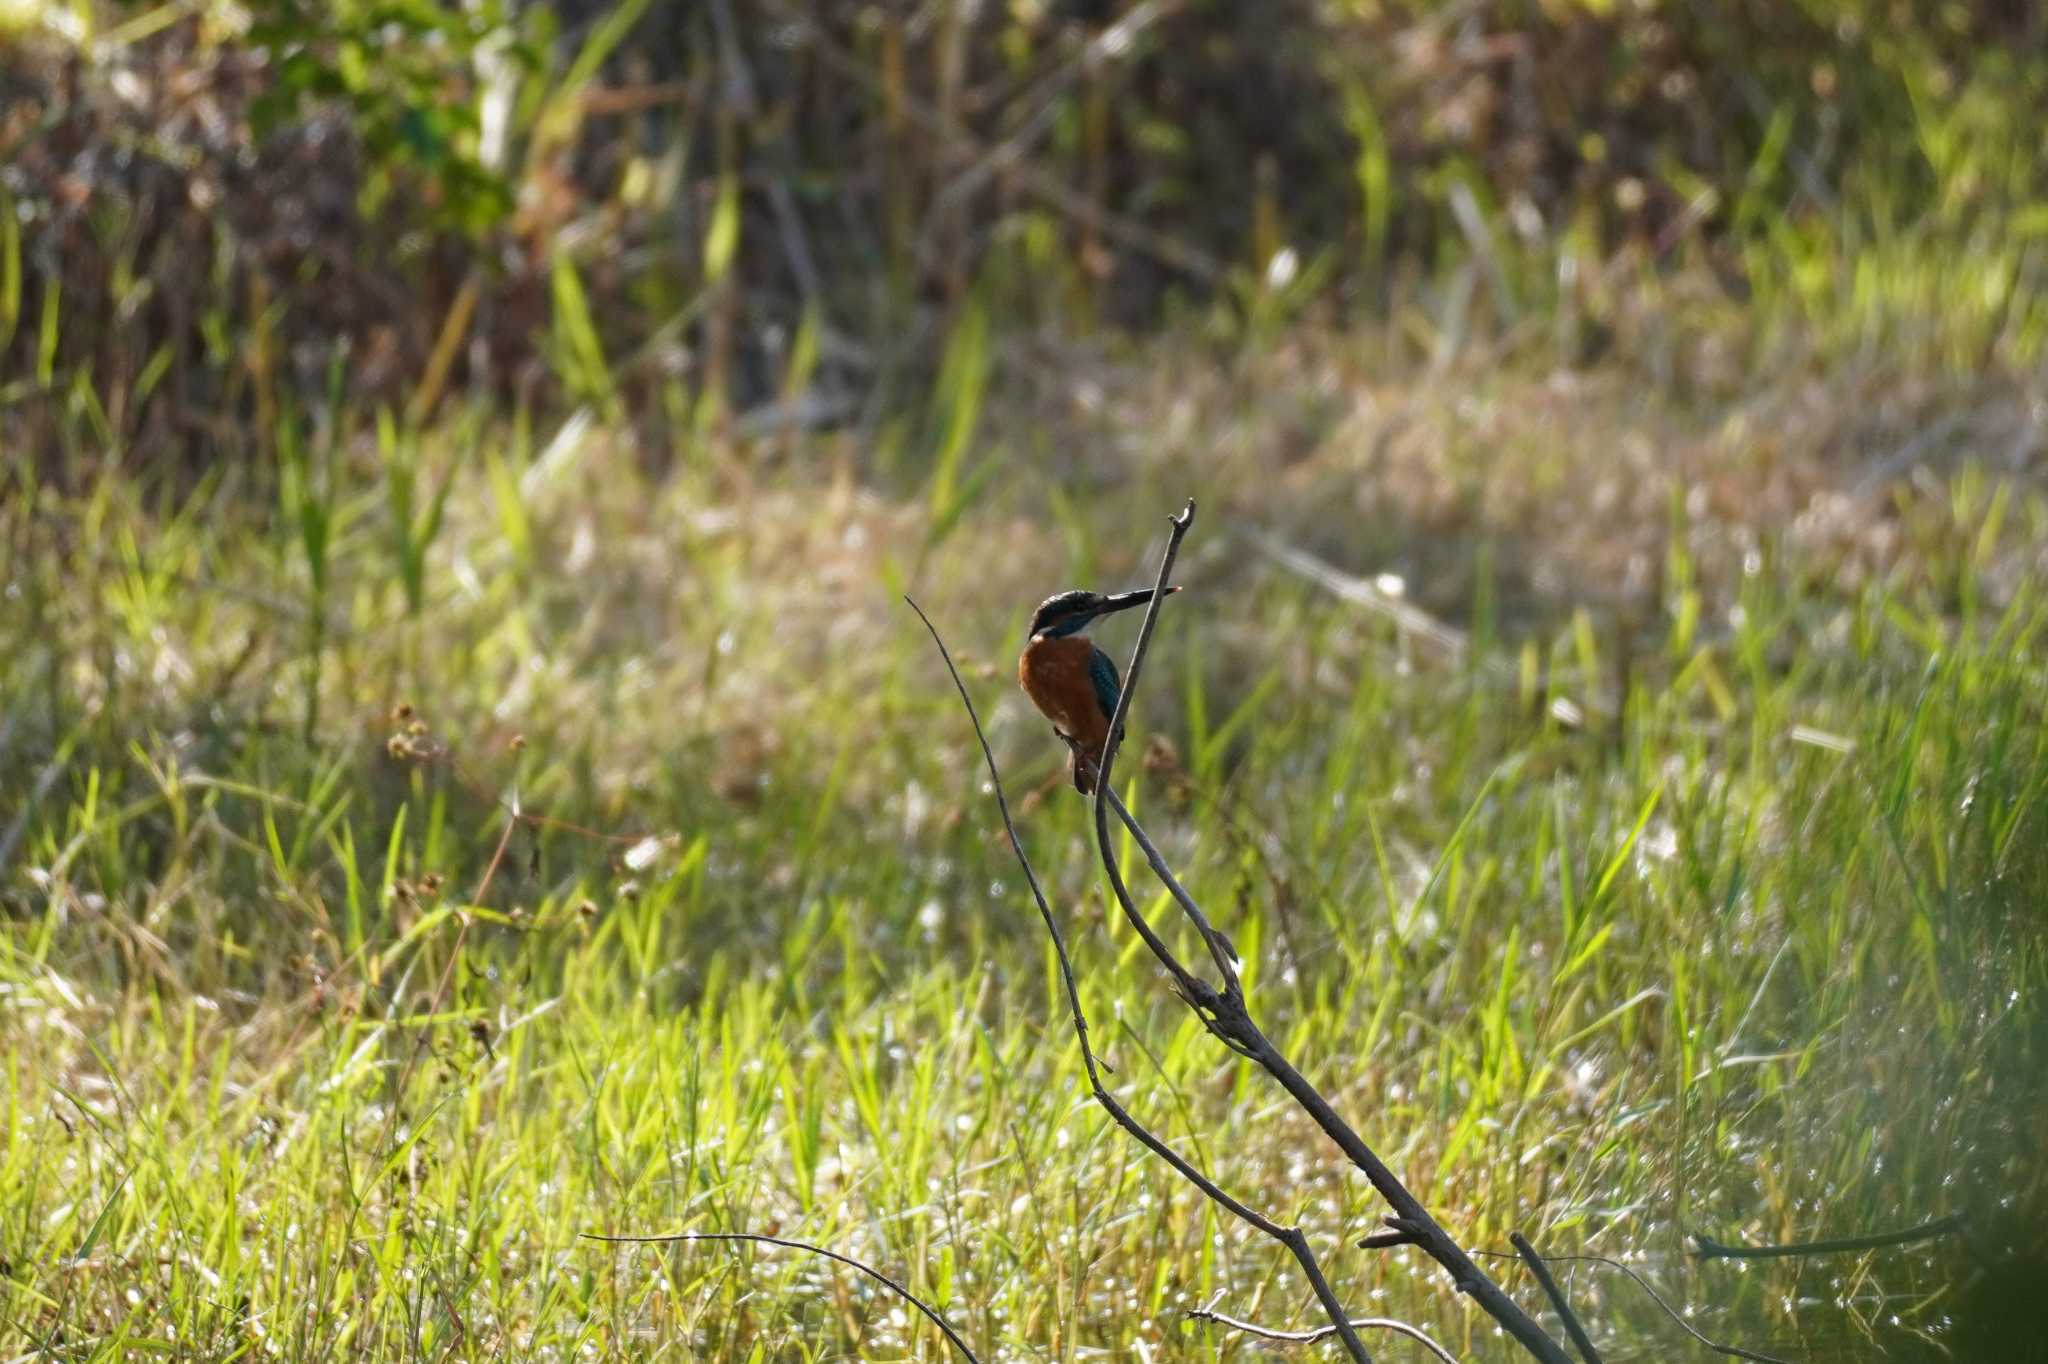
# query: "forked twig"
[1225,1013]
[1222,951]
[1290,1237]
[1734,1351]
[1250,1328]
[931,1313]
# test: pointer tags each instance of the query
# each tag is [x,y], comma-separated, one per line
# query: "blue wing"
[1108,687]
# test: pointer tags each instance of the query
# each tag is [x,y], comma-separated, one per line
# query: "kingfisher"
[1073,683]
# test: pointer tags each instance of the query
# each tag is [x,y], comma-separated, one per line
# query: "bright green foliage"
[411,76]
[315,1053]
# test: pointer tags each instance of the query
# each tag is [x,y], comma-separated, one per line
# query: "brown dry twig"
[1210,1314]
[1290,1237]
[1226,1014]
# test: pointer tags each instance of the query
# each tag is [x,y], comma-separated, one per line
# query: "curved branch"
[1101,1094]
[1556,1295]
[1197,990]
[1414,1333]
[930,1312]
[1290,1237]
[1221,949]
[1225,1014]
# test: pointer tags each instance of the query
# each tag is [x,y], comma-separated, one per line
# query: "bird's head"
[1069,612]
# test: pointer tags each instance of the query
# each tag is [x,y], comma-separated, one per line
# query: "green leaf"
[589,371]
[722,238]
[10,269]
[962,383]
[99,1223]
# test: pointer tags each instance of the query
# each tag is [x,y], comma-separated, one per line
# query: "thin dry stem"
[1572,1326]
[1251,1328]
[1290,1237]
[1707,1248]
[1225,1014]
[931,1313]
[1734,1351]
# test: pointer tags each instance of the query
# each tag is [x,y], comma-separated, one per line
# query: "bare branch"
[930,1312]
[1193,988]
[1706,1248]
[1222,950]
[1226,1015]
[1109,1102]
[1558,1300]
[1734,1351]
[1414,1333]
[1291,1237]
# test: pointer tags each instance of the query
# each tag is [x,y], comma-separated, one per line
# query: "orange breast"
[1054,674]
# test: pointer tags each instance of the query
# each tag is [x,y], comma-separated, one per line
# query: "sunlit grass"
[1725,923]
[426,838]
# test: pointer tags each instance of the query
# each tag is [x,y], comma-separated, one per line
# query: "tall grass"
[426,837]
[314,1059]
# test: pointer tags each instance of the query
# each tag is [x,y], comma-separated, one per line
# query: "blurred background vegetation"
[467,778]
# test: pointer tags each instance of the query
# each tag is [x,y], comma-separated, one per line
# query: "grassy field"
[469,839]
[470,781]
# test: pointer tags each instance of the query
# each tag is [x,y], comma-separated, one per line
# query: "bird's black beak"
[1123,601]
